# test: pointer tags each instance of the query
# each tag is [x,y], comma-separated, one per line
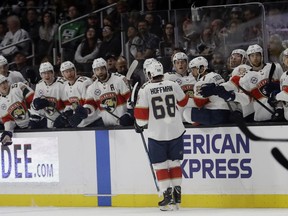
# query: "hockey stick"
[131,69]
[243,127]
[258,101]
[144,141]
[279,157]
[107,108]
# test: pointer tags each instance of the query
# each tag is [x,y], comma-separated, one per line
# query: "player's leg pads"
[167,203]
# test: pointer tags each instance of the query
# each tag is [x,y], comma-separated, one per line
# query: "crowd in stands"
[219,35]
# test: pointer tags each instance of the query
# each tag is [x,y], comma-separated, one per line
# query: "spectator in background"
[31,25]
[190,37]
[87,50]
[70,31]
[15,34]
[111,42]
[154,27]
[3,30]
[121,65]
[132,40]
[22,65]
[93,21]
[168,41]
[47,32]
[149,42]
[275,48]
[111,62]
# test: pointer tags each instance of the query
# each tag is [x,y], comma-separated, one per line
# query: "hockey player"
[279,99]
[12,76]
[257,85]
[241,102]
[75,90]
[209,110]
[157,106]
[106,97]
[181,74]
[49,99]
[15,101]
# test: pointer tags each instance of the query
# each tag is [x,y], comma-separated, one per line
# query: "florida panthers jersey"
[76,92]
[14,106]
[55,93]
[157,106]
[255,82]
[283,94]
[108,98]
[186,82]
[233,85]
[212,102]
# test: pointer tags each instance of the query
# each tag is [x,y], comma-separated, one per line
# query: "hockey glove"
[6,138]
[62,120]
[278,115]
[126,120]
[272,98]
[224,94]
[40,103]
[138,128]
[80,114]
[208,89]
[270,87]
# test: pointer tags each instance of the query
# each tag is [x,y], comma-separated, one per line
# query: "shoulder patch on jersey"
[254,80]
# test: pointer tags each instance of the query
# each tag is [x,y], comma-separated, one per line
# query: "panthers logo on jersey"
[109,100]
[17,111]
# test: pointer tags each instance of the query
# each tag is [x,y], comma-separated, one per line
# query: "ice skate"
[167,204]
[177,196]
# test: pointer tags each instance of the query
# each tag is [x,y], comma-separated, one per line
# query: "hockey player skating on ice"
[157,106]
[106,98]
[15,101]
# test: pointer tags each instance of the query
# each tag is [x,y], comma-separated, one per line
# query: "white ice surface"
[109,211]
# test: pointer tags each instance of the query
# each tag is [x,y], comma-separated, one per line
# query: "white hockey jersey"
[55,93]
[76,93]
[233,85]
[157,106]
[283,94]
[107,98]
[14,106]
[212,102]
[254,82]
[186,82]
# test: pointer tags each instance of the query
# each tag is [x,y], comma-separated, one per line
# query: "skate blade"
[167,208]
[177,206]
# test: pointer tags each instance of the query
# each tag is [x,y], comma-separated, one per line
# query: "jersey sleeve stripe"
[184,101]
[141,113]
[200,102]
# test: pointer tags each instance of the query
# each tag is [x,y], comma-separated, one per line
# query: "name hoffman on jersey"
[161,89]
